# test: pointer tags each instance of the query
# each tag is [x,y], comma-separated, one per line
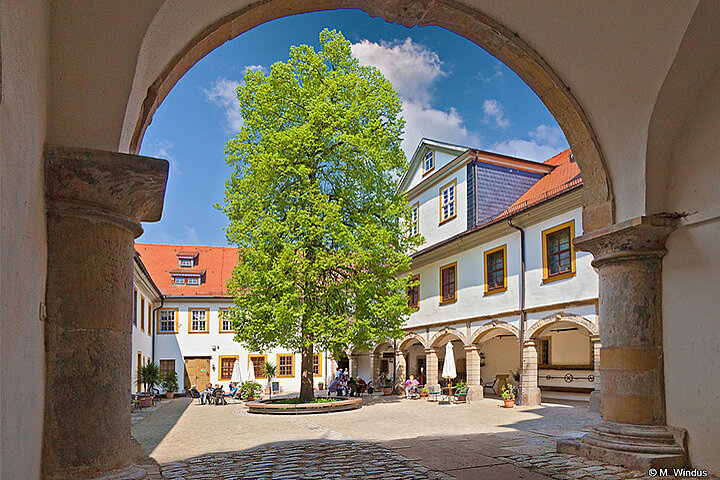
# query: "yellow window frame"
[488,290]
[158,331]
[454,298]
[207,320]
[547,278]
[442,221]
[220,361]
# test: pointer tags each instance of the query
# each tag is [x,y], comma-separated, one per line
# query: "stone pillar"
[400,366]
[375,369]
[431,364]
[472,363]
[595,395]
[628,259]
[353,365]
[95,202]
[529,382]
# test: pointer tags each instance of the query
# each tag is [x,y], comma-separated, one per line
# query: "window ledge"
[447,220]
[165,333]
[427,172]
[560,276]
[495,290]
[447,302]
[200,332]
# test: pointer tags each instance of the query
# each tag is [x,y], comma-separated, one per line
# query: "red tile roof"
[217,262]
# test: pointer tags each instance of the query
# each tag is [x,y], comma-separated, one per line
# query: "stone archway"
[484,330]
[435,339]
[546,322]
[495,38]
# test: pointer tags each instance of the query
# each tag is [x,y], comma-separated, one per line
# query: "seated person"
[410,386]
[334,386]
[206,394]
[362,386]
[218,395]
[233,389]
[353,387]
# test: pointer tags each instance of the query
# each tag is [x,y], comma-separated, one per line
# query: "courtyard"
[389,437]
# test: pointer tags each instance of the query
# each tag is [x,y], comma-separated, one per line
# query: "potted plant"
[170,383]
[424,392]
[270,371]
[461,390]
[387,388]
[321,385]
[249,390]
[148,375]
[508,395]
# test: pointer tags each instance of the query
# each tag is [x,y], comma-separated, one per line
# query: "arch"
[545,322]
[376,350]
[409,339]
[481,332]
[444,332]
[149,89]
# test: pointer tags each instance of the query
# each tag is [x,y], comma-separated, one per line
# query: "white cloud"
[413,69]
[494,112]
[189,235]
[545,141]
[255,68]
[223,93]
[497,75]
[162,148]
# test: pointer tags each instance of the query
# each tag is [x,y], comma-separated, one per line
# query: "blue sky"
[452,90]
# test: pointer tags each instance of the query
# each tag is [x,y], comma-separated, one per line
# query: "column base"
[595,397]
[475,393]
[639,447]
[531,397]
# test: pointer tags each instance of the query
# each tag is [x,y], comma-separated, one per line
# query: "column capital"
[595,338]
[640,238]
[102,186]
[431,351]
[471,348]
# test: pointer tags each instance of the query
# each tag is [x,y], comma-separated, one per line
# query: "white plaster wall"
[184,344]
[583,285]
[364,367]
[569,348]
[429,201]
[502,355]
[442,158]
[141,339]
[23,37]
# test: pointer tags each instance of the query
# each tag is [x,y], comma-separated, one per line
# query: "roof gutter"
[521,303]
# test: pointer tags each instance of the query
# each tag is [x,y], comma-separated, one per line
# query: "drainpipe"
[153,318]
[522,302]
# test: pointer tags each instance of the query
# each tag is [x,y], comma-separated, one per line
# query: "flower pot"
[387,390]
[423,394]
[510,403]
[169,394]
[146,402]
[462,397]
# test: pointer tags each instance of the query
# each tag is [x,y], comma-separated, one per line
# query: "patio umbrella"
[236,376]
[251,372]
[449,366]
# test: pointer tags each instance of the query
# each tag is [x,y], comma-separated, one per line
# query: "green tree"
[314,207]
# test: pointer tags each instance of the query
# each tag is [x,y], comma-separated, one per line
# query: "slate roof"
[498,187]
[216,262]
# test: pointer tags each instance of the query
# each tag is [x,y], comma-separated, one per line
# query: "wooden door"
[197,372]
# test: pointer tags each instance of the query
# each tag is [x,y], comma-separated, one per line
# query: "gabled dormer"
[187,259]
[431,159]
[186,273]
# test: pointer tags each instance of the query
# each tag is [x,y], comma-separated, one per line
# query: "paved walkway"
[386,439]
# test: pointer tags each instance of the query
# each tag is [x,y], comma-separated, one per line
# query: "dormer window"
[187,259]
[178,280]
[186,262]
[193,280]
[428,161]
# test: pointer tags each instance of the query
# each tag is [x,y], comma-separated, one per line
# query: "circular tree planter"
[267,408]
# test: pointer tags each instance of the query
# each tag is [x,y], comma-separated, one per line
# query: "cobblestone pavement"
[386,439]
[312,459]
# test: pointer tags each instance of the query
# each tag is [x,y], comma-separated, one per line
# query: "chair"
[434,391]
[490,385]
[219,396]
[195,394]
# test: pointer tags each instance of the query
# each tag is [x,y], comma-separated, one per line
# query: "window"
[142,313]
[178,280]
[414,220]
[225,321]
[258,363]
[413,292]
[166,366]
[286,367]
[134,310]
[447,202]
[448,283]
[496,270]
[544,351]
[558,252]
[198,320]
[317,369]
[193,281]
[226,367]
[149,317]
[167,321]
[428,161]
[186,262]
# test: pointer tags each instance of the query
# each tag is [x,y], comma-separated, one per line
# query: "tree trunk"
[307,389]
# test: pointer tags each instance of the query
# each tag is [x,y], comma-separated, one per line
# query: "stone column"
[95,202]
[628,259]
[529,382]
[353,365]
[595,395]
[400,366]
[375,369]
[472,362]
[431,364]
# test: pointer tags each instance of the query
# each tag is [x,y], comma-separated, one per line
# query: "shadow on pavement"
[153,427]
